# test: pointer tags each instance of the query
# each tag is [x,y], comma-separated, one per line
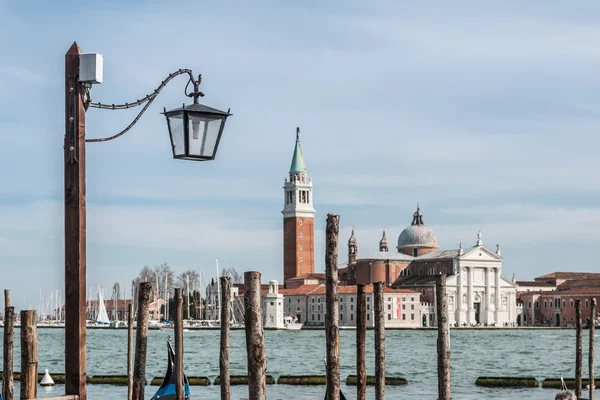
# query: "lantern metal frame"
[199,110]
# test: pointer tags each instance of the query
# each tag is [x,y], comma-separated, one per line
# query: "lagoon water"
[409,353]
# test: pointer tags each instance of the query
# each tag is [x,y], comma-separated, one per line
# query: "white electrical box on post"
[90,68]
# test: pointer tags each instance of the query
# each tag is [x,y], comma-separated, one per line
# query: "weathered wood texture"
[578,349]
[225,282]
[591,349]
[361,343]
[443,341]
[332,333]
[141,340]
[378,306]
[29,355]
[8,387]
[75,226]
[255,340]
[179,388]
[129,351]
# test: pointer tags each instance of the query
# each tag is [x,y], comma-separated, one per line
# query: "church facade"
[477,292]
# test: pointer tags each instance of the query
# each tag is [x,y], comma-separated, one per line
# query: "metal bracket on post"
[72,135]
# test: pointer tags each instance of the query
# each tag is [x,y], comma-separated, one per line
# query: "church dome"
[417,234]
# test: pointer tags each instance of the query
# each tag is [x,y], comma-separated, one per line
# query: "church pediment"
[480,253]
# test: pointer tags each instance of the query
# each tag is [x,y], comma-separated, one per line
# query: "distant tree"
[159,275]
[116,289]
[234,274]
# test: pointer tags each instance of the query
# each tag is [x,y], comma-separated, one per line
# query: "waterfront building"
[298,220]
[549,300]
[272,307]
[477,292]
[403,307]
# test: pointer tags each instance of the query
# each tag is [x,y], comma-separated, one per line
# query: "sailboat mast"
[166,295]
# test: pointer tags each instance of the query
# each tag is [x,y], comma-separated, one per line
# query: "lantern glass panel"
[177,134]
[203,134]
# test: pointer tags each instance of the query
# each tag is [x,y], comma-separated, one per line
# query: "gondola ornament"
[167,389]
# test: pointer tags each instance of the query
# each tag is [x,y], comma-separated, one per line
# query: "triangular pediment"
[480,253]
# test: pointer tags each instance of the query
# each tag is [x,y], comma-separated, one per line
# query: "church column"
[498,304]
[459,298]
[470,309]
[488,296]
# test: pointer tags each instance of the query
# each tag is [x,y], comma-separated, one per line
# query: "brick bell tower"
[298,219]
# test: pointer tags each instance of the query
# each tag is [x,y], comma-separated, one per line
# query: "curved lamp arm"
[147,99]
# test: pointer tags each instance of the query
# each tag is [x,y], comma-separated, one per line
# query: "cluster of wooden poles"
[579,351]
[255,346]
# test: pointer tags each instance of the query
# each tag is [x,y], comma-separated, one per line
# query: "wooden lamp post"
[206,125]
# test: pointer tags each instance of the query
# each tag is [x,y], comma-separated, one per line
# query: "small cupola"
[383,244]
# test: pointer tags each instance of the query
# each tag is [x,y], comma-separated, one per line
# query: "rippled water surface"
[410,354]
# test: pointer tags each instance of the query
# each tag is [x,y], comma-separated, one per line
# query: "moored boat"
[166,391]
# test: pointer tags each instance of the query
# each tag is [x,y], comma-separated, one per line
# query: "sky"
[485,113]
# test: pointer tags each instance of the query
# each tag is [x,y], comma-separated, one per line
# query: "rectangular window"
[545,304]
[341,317]
[571,303]
[403,317]
[368,307]
[404,306]
[352,307]
[368,317]
[389,299]
[351,299]
[313,317]
[389,306]
[272,303]
[389,317]
[412,317]
[351,317]
[319,317]
[412,306]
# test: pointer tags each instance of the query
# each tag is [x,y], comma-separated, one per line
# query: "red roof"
[352,289]
[316,275]
[570,275]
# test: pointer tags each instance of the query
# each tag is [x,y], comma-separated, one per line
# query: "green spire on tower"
[298,165]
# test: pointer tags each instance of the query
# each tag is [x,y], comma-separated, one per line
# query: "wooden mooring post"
[141,340]
[225,282]
[29,355]
[378,306]
[578,349]
[361,338]
[179,385]
[130,350]
[332,333]
[8,389]
[443,341]
[591,350]
[255,340]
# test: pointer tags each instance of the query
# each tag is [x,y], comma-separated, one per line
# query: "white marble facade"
[477,292]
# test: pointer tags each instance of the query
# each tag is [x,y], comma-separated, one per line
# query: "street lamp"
[195,133]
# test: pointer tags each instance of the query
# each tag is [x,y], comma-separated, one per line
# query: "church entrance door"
[557,320]
[477,307]
[424,319]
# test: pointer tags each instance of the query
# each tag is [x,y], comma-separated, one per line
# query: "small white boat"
[291,323]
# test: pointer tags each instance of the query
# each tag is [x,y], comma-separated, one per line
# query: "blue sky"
[486,115]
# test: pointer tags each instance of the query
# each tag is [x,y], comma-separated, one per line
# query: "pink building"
[555,306]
